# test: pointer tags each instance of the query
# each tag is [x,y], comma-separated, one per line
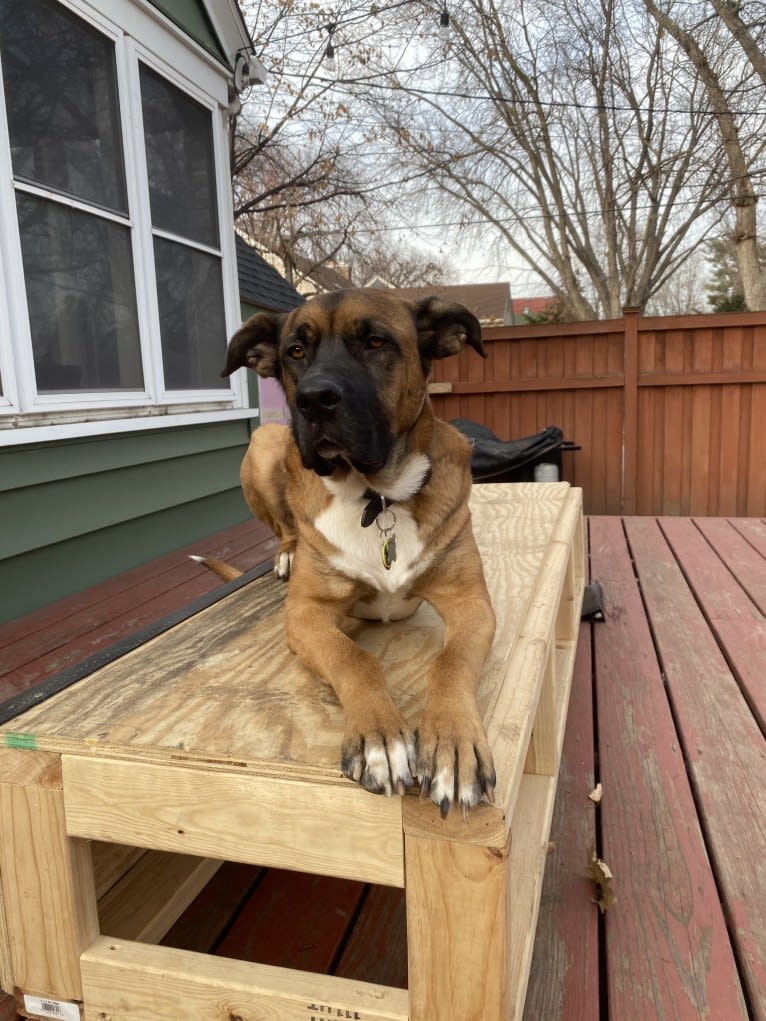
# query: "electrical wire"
[369,82]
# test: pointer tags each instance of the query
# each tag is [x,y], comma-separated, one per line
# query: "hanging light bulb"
[444,23]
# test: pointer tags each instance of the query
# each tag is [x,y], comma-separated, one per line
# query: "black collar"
[376,502]
[373,507]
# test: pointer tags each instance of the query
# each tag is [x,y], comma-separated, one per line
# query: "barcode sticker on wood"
[61,1010]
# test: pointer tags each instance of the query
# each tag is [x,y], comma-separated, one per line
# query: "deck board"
[735,620]
[722,743]
[667,714]
[208,918]
[297,921]
[376,950]
[737,555]
[671,957]
[564,978]
[48,641]
[165,570]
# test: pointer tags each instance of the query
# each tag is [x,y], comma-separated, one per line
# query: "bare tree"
[685,292]
[403,266]
[310,180]
[571,130]
[289,161]
[710,54]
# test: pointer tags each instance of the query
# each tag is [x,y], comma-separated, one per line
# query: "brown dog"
[368,492]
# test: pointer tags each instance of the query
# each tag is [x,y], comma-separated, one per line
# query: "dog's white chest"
[359,549]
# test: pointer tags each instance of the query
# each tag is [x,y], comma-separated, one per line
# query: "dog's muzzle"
[337,417]
[317,398]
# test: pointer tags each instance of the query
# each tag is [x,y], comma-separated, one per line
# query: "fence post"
[630,409]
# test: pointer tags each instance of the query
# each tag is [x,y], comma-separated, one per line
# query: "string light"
[329,54]
[444,23]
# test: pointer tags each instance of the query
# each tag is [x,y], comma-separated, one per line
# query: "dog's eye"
[296,352]
[375,342]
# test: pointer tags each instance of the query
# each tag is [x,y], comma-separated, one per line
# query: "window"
[116,211]
[81,298]
[181,167]
[64,136]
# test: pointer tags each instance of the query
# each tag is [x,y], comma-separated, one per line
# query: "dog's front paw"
[380,756]
[454,761]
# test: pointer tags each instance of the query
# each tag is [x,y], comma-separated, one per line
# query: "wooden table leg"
[47,881]
[458,914]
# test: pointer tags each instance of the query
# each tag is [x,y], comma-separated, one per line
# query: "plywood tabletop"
[222,688]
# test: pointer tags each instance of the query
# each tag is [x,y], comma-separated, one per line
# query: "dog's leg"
[454,760]
[264,484]
[378,748]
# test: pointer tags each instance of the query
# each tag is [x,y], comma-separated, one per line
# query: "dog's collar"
[375,505]
[377,502]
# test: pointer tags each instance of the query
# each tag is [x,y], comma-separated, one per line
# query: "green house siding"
[77,512]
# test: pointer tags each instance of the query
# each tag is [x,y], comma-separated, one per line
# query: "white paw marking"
[283,565]
[399,757]
[443,786]
[470,796]
[377,766]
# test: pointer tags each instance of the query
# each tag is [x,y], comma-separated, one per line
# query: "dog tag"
[388,551]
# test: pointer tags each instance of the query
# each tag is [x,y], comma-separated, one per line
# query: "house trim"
[154,418]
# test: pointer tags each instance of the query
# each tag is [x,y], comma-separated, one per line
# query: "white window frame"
[140,34]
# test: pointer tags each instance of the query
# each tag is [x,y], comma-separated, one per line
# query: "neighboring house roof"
[312,279]
[490,303]
[530,306]
[379,283]
[319,278]
[260,284]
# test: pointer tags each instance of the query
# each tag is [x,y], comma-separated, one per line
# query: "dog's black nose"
[318,398]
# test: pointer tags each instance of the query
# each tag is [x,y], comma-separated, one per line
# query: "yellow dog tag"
[388,551]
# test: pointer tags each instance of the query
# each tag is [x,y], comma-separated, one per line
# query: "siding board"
[37,464]
[52,572]
[62,510]
[77,512]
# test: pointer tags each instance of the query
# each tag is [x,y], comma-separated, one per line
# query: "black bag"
[512,460]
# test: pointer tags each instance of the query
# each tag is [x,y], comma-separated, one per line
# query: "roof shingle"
[260,284]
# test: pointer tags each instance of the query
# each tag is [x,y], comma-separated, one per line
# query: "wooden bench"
[120,796]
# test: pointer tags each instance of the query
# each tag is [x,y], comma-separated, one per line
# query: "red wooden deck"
[667,713]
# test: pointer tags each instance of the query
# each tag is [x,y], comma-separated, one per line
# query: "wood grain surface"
[722,743]
[564,976]
[667,945]
[197,987]
[223,687]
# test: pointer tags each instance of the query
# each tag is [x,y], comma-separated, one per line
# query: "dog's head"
[354,367]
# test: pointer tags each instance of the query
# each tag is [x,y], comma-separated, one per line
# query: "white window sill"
[13,431]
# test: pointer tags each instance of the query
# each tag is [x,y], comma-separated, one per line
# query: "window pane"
[61,95]
[179,157]
[78,270]
[190,293]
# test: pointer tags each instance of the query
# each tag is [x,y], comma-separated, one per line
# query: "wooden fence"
[670,412]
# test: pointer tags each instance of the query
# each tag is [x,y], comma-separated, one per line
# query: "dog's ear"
[255,345]
[443,327]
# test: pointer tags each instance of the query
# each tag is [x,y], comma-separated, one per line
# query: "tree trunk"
[743,195]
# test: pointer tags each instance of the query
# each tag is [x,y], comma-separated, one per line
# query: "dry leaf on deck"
[597,793]
[601,875]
